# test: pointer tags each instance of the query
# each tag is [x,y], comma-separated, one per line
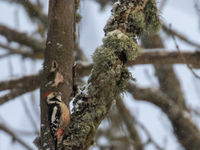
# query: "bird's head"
[53,97]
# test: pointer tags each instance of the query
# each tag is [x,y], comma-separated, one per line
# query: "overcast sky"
[181,14]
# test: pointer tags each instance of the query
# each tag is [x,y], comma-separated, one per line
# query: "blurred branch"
[15,138]
[79,54]
[167,58]
[19,83]
[150,139]
[18,131]
[197,7]
[117,141]
[186,131]
[129,121]
[29,114]
[188,65]
[171,31]
[162,4]
[12,51]
[27,133]
[168,81]
[152,58]
[15,93]
[26,85]
[33,11]
[21,38]
[130,125]
[35,105]
[83,70]
[104,3]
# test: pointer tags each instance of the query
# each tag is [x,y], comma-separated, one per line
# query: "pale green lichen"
[109,75]
[151,16]
[136,22]
[143,17]
[119,42]
[108,71]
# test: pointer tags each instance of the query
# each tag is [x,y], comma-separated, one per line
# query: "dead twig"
[130,124]
[188,65]
[12,134]
[171,31]
[150,139]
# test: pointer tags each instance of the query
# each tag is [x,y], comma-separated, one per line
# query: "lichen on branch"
[109,75]
[133,17]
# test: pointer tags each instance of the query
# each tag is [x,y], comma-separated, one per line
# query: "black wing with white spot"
[54,118]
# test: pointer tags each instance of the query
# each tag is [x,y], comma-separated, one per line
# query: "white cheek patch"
[53,117]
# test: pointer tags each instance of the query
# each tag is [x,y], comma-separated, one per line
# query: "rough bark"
[109,75]
[58,61]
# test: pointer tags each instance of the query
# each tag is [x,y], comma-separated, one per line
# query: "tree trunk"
[58,60]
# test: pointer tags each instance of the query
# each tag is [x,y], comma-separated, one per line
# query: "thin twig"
[12,134]
[188,65]
[130,124]
[150,139]
[162,4]
[12,51]
[33,11]
[34,104]
[27,110]
[180,36]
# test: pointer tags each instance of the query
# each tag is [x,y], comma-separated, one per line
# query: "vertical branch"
[167,78]
[59,60]
[130,125]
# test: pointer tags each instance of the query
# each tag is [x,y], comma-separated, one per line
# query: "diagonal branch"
[17,92]
[171,31]
[21,38]
[150,138]
[184,128]
[19,87]
[9,132]
[13,51]
[32,10]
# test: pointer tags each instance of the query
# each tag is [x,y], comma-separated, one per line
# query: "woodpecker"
[58,116]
